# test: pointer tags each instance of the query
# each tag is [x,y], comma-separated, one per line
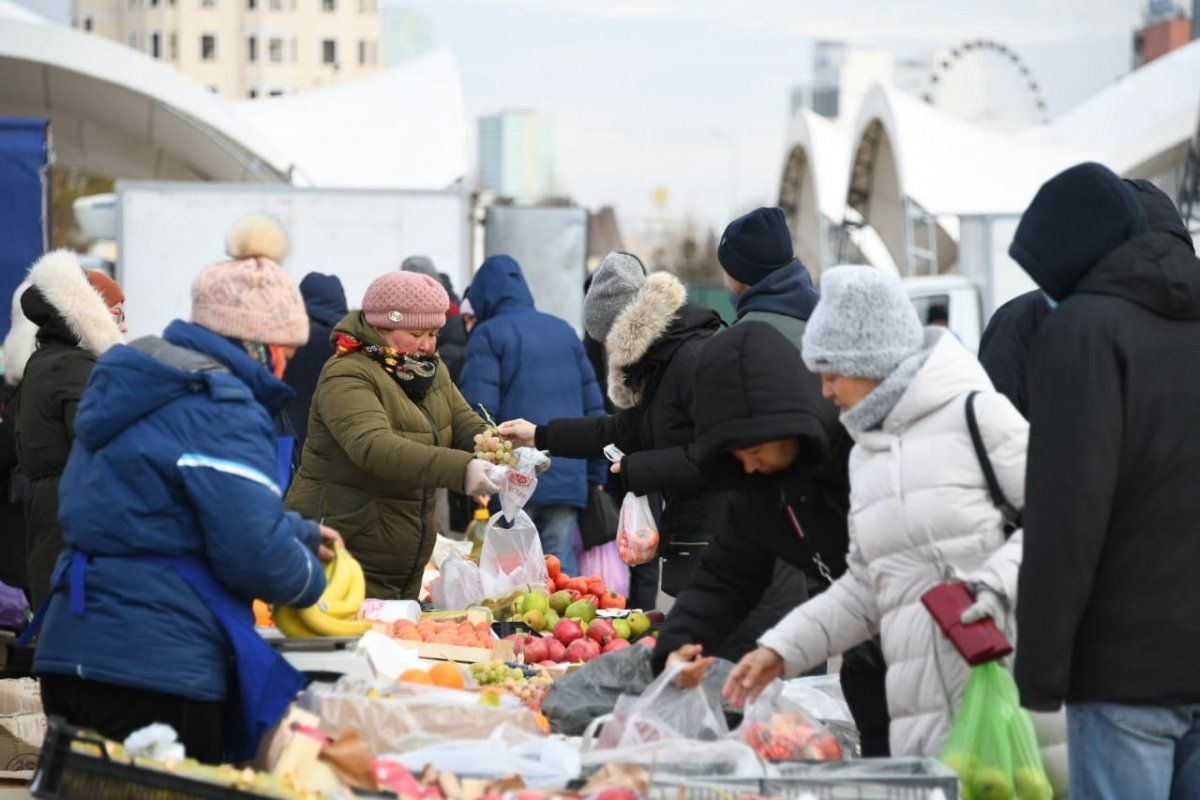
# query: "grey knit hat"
[863,326]
[614,283]
[420,264]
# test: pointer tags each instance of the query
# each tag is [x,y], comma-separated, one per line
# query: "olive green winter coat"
[373,459]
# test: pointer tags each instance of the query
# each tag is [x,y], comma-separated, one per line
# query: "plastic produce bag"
[604,562]
[459,586]
[518,482]
[542,763]
[780,730]
[637,534]
[511,559]
[992,746]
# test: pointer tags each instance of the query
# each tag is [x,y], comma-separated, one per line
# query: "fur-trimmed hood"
[62,303]
[658,313]
[20,342]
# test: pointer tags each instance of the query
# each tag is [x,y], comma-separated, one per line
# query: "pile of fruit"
[995,783]
[335,614]
[529,689]
[590,590]
[791,736]
[463,634]
[446,676]
[574,641]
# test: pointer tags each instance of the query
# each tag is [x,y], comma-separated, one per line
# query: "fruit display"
[790,736]
[335,613]
[495,673]
[530,689]
[461,634]
[445,676]
[567,590]
[491,447]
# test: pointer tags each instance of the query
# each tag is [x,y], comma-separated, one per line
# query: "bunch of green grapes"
[530,692]
[494,673]
[490,447]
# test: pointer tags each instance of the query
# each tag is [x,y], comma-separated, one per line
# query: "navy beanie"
[755,245]
[1077,217]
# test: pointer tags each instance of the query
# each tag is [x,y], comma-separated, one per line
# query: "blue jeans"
[1120,751]
[556,525]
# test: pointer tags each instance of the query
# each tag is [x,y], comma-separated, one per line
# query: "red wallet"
[978,642]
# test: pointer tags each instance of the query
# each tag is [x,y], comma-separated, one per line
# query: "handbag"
[598,522]
[1011,515]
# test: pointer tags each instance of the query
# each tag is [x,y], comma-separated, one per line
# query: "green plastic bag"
[993,747]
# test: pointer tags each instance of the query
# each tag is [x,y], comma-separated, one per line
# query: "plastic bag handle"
[592,732]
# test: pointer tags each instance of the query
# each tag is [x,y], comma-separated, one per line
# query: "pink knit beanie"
[252,298]
[405,301]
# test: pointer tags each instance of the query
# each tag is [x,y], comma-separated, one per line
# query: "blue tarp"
[24,181]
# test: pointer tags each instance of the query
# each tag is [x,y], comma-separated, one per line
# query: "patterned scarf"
[414,374]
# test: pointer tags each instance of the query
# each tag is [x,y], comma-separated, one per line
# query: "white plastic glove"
[477,482]
[987,605]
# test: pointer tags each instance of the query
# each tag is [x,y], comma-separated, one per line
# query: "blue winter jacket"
[522,363]
[174,456]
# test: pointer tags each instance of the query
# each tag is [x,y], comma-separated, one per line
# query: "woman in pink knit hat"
[386,430]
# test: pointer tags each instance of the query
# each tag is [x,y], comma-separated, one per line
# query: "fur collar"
[639,325]
[64,284]
[20,342]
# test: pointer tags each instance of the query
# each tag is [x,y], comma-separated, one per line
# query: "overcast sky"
[648,92]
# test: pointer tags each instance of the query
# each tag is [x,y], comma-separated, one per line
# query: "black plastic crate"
[65,773]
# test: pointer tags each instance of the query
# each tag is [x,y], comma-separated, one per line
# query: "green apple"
[536,601]
[993,783]
[582,610]
[622,628]
[1032,784]
[560,600]
[639,623]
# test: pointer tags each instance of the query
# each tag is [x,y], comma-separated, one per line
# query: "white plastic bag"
[542,763]
[459,586]
[637,533]
[511,558]
[518,482]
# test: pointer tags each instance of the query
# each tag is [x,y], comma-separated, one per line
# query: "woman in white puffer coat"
[920,511]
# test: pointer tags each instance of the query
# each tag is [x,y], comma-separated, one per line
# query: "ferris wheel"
[986,82]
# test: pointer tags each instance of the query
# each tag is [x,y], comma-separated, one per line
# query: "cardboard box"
[22,727]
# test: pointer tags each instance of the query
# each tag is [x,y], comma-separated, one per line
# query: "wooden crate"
[503,651]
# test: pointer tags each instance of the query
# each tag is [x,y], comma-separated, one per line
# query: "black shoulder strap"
[1012,517]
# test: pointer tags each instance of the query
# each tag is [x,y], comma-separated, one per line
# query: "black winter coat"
[1108,586]
[325,302]
[758,390]
[74,328]
[655,346]
[1004,346]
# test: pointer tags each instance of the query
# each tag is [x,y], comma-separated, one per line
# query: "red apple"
[567,631]
[602,632]
[558,650]
[615,645]
[578,650]
[536,650]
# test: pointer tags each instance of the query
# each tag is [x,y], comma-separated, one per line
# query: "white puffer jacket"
[919,505]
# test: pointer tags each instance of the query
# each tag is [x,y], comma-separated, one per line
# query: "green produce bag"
[993,747]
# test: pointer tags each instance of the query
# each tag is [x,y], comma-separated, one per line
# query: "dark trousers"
[117,711]
[863,672]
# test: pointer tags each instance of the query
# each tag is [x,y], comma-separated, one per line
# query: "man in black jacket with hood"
[1109,597]
[757,404]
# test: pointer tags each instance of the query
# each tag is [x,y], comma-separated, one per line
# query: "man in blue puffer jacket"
[522,363]
[174,523]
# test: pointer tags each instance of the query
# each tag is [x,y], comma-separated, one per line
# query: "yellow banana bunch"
[333,614]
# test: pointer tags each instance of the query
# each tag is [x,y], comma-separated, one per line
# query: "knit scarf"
[873,409]
[413,374]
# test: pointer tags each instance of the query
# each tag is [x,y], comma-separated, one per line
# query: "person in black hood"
[654,338]
[77,315]
[325,303]
[767,432]
[1107,619]
[1010,333]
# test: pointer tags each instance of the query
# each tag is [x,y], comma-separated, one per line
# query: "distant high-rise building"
[245,48]
[516,155]
[406,34]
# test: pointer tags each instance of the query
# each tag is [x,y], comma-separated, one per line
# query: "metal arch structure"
[812,185]
[946,64]
[798,199]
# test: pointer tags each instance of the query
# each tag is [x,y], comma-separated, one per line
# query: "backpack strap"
[1012,517]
